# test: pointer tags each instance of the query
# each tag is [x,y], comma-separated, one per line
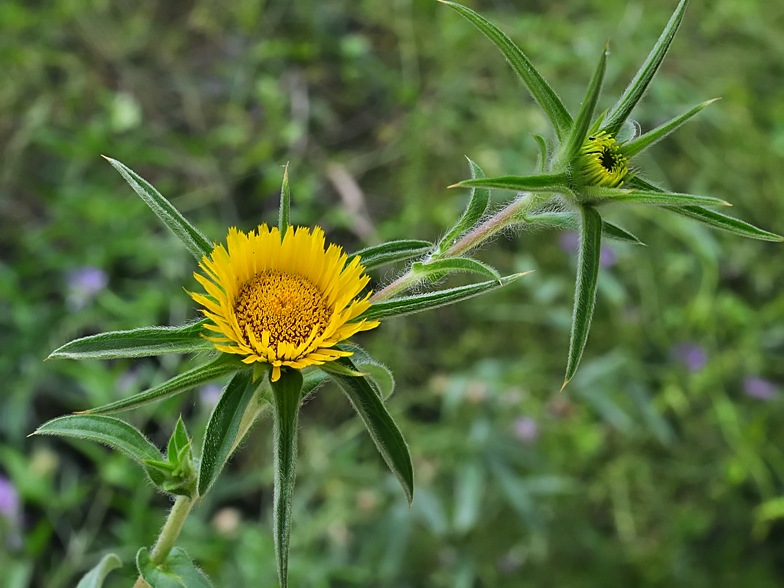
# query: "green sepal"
[178,571]
[220,366]
[286,395]
[179,470]
[582,122]
[421,302]
[714,219]
[192,238]
[597,195]
[544,155]
[178,440]
[642,142]
[540,90]
[224,425]
[636,88]
[379,423]
[538,183]
[110,431]
[585,289]
[284,212]
[441,267]
[568,220]
[391,252]
[375,372]
[142,342]
[477,205]
[95,577]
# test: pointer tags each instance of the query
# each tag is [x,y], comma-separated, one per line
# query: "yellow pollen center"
[287,306]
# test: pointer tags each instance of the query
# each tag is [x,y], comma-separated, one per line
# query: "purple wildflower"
[84,284]
[759,388]
[9,500]
[691,355]
[525,429]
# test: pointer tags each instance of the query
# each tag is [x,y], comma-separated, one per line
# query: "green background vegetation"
[650,469]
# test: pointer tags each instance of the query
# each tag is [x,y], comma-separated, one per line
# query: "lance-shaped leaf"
[391,252]
[477,205]
[628,100]
[220,438]
[453,264]
[192,238]
[642,142]
[544,155]
[375,372]
[597,195]
[95,577]
[585,289]
[583,120]
[382,428]
[286,394]
[221,366]
[142,342]
[285,204]
[537,183]
[540,90]
[713,219]
[177,571]
[110,431]
[568,220]
[418,303]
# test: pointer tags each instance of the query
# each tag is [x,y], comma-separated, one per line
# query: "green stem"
[171,530]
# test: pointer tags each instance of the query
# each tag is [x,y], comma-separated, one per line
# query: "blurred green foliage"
[661,465]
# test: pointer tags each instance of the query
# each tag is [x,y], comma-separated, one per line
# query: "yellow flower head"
[603,164]
[286,302]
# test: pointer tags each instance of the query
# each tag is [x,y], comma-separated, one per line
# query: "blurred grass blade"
[223,427]
[641,143]
[391,252]
[194,240]
[285,203]
[418,303]
[543,153]
[178,571]
[142,342]
[583,120]
[95,577]
[568,220]
[382,428]
[110,431]
[286,393]
[454,264]
[585,290]
[477,205]
[221,366]
[634,91]
[599,195]
[537,183]
[540,90]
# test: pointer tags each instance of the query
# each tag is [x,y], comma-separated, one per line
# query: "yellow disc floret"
[286,302]
[601,162]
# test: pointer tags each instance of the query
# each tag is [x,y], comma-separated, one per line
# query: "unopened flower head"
[601,162]
[286,302]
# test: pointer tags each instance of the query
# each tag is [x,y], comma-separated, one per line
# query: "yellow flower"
[286,302]
[603,164]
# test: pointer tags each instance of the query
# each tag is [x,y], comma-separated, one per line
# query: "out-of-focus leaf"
[95,577]
[285,204]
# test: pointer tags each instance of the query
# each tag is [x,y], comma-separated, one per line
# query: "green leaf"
[585,290]
[539,88]
[596,196]
[391,252]
[376,373]
[178,441]
[110,431]
[192,238]
[568,220]
[136,343]
[285,203]
[641,143]
[382,428]
[543,152]
[420,302]
[634,91]
[223,428]
[454,264]
[537,183]
[95,577]
[177,571]
[220,366]
[477,205]
[583,121]
[286,394]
